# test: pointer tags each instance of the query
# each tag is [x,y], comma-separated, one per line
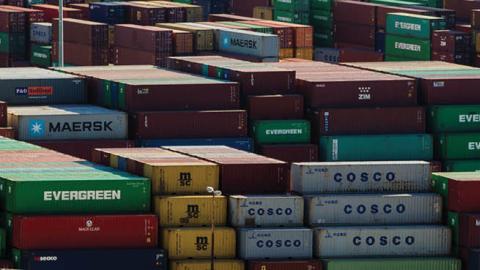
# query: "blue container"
[108,12]
[213,6]
[92,259]
[245,144]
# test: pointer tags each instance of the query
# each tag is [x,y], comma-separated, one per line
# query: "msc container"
[348,177]
[376,147]
[41,33]
[294,243]
[66,122]
[431,240]
[458,146]
[207,265]
[290,152]
[454,118]
[285,265]
[190,211]
[406,47]
[371,209]
[394,264]
[188,243]
[94,259]
[248,43]
[265,211]
[411,25]
[245,144]
[274,107]
[63,232]
[461,165]
[281,131]
[458,190]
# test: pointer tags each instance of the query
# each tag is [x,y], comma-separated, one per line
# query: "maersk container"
[346,177]
[190,211]
[281,131]
[207,265]
[406,47]
[413,263]
[412,25]
[266,210]
[401,241]
[245,144]
[376,147]
[91,259]
[461,165]
[373,209]
[454,118]
[294,243]
[458,146]
[66,122]
[248,43]
[41,33]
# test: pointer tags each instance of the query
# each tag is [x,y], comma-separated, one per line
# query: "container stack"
[452,46]
[203,37]
[12,37]
[51,12]
[41,44]
[294,11]
[322,22]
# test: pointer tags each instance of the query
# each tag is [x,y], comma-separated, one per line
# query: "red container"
[383,10]
[363,35]
[8,132]
[302,34]
[462,7]
[354,12]
[81,55]
[83,32]
[242,172]
[245,8]
[290,152]
[31,15]
[451,57]
[12,21]
[391,120]
[189,124]
[436,166]
[85,8]
[102,231]
[444,90]
[463,195]
[285,33]
[6,264]
[469,228]
[352,54]
[145,38]
[285,265]
[275,107]
[51,12]
[3,114]
[83,148]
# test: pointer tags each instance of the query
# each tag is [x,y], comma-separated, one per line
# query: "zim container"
[454,118]
[458,146]
[458,190]
[206,265]
[281,131]
[412,263]
[285,265]
[411,25]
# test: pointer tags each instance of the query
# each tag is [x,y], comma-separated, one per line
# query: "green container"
[376,147]
[411,25]
[393,58]
[323,38]
[398,3]
[393,264]
[41,56]
[321,19]
[411,48]
[461,165]
[440,186]
[13,43]
[453,223]
[291,5]
[291,17]
[321,5]
[454,118]
[458,146]
[281,131]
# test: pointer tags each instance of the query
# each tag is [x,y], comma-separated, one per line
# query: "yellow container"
[114,161]
[286,53]
[176,211]
[196,243]
[206,265]
[304,53]
[264,13]
[182,178]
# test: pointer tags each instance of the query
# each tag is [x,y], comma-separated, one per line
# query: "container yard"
[240,134]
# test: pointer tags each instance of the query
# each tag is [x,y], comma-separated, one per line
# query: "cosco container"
[347,177]
[248,43]
[458,190]
[63,122]
[63,232]
[285,265]
[294,243]
[454,118]
[376,147]
[406,47]
[207,265]
[458,146]
[413,263]
[411,25]
[41,33]
[281,131]
[92,259]
[186,243]
[265,211]
[370,209]
[245,144]
[190,211]
[400,241]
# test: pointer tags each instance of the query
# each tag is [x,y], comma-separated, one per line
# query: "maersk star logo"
[37,128]
[225,42]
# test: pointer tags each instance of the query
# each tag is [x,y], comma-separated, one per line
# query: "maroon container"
[81,55]
[31,15]
[436,166]
[232,17]
[290,152]
[85,8]
[462,7]
[452,57]
[127,56]
[469,228]
[450,41]
[242,172]
[96,231]
[285,265]
[83,32]
[245,8]
[444,90]
[8,132]
[475,21]
[6,264]
[51,12]
[363,35]
[189,124]
[302,34]
[145,38]
[3,114]
[383,10]
[352,54]
[354,12]
[146,14]
[12,21]
[182,42]
[275,107]
[285,33]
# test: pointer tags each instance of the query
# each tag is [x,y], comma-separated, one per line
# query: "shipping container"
[207,265]
[265,211]
[281,131]
[370,209]
[290,152]
[413,263]
[411,25]
[458,190]
[285,265]
[294,243]
[406,47]
[454,118]
[196,243]
[461,165]
[451,41]
[275,107]
[3,114]
[191,211]
[41,55]
[245,144]
[464,229]
[364,12]
[64,232]
[348,177]
[458,146]
[92,259]
[41,33]
[249,43]
[432,240]
[8,132]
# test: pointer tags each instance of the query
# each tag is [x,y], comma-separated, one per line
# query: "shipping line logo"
[185,179]
[82,195]
[193,211]
[34,91]
[201,243]
[237,42]
[37,128]
[89,227]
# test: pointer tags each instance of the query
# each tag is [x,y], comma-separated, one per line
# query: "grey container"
[265,210]
[67,122]
[370,176]
[248,43]
[295,243]
[373,209]
[36,86]
[41,33]
[426,240]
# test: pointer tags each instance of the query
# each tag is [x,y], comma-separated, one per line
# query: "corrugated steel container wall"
[190,211]
[459,190]
[274,107]
[458,146]
[382,241]
[454,118]
[346,177]
[290,152]
[249,43]
[3,114]
[265,211]
[469,230]
[63,232]
[245,144]
[370,209]
[41,33]
[206,265]
[92,259]
[394,264]
[186,243]
[461,165]
[8,132]
[285,265]
[295,243]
